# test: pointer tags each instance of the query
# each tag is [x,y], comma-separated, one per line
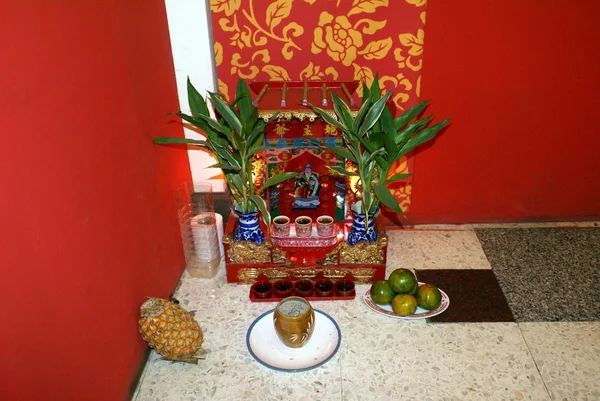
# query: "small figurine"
[306,189]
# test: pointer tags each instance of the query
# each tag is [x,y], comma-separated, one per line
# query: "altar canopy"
[293,143]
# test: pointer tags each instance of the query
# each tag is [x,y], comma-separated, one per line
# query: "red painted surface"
[521,80]
[87,206]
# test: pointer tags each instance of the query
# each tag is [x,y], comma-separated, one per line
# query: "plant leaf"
[403,136]
[196,122]
[386,197]
[214,125]
[262,206]
[364,107]
[366,93]
[224,166]
[397,177]
[422,137]
[325,116]
[342,110]
[225,111]
[164,140]
[376,139]
[244,100]
[196,101]
[224,155]
[259,128]
[343,152]
[374,155]
[373,114]
[342,171]
[237,183]
[277,179]
[387,125]
[256,150]
[376,95]
[409,114]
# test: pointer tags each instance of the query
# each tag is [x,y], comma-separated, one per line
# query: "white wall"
[192,45]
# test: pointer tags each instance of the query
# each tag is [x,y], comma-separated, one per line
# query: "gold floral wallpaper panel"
[323,40]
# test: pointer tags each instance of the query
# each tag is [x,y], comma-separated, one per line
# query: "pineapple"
[171,330]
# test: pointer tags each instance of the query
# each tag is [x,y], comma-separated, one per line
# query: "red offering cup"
[283,288]
[303,288]
[262,289]
[324,288]
[345,288]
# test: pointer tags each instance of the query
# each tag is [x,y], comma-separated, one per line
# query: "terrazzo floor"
[381,358]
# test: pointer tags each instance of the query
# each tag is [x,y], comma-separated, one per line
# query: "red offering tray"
[346,295]
[311,298]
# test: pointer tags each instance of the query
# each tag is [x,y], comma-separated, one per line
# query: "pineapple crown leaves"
[233,137]
[375,140]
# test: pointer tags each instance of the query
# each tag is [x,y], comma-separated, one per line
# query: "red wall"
[87,206]
[521,80]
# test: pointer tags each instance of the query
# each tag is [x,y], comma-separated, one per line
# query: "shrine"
[298,140]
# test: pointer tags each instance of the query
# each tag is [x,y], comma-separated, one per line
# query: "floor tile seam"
[567,225]
[534,360]
[427,229]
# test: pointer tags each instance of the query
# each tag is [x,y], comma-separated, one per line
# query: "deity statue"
[306,189]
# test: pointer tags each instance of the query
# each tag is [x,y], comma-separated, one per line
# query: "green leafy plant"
[374,141]
[233,139]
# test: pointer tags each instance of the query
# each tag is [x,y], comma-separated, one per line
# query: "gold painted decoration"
[362,275]
[360,253]
[248,251]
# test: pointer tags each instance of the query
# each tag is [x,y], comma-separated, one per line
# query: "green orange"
[381,292]
[404,304]
[402,281]
[429,296]
[413,292]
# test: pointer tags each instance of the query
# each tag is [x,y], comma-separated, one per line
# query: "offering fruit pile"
[404,293]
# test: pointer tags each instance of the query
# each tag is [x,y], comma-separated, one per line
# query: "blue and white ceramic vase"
[359,232]
[248,227]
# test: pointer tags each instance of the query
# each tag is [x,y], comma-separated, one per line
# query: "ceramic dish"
[419,314]
[266,348]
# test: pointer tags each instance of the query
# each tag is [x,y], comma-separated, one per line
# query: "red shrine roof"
[291,98]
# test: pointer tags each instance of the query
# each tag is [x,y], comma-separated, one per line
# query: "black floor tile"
[475,295]
[547,274]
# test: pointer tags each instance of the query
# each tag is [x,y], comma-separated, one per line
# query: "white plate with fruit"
[402,297]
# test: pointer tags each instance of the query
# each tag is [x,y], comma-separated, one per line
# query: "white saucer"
[420,313]
[267,348]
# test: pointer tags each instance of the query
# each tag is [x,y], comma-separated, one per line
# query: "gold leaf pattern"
[418,3]
[218,54]
[377,49]
[366,6]
[371,26]
[363,74]
[414,43]
[276,72]
[314,73]
[227,6]
[223,89]
[277,11]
